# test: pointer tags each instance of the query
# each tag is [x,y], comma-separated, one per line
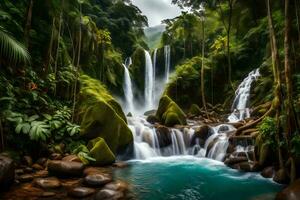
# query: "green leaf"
[33,118]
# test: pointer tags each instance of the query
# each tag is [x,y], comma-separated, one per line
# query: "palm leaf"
[11,49]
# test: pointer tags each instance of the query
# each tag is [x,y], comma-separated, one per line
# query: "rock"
[292,192]
[195,110]
[72,158]
[201,134]
[25,178]
[37,166]
[223,128]
[106,194]
[101,152]
[81,192]
[65,168]
[92,170]
[268,172]
[120,164]
[27,160]
[164,136]
[41,174]
[56,156]
[281,177]
[249,166]
[150,112]
[102,116]
[42,161]
[117,186]
[47,183]
[19,171]
[28,170]
[7,172]
[152,119]
[169,113]
[264,154]
[48,194]
[97,180]
[234,160]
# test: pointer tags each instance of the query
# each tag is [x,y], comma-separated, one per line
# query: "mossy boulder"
[169,113]
[101,116]
[101,152]
[195,110]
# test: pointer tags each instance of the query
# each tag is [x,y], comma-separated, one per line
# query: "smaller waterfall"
[127,88]
[240,106]
[128,62]
[149,82]
[167,52]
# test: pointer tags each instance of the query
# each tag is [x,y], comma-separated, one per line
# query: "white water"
[167,52]
[127,87]
[149,82]
[240,106]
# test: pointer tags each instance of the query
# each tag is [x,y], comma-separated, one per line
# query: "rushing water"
[240,106]
[190,178]
[127,87]
[167,52]
[149,82]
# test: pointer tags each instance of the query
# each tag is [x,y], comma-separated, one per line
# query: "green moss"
[169,113]
[195,110]
[102,116]
[101,152]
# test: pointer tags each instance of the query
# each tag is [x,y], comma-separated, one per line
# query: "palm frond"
[12,49]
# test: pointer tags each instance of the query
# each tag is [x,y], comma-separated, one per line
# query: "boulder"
[169,113]
[195,110]
[249,166]
[268,172]
[292,192]
[27,160]
[117,186]
[81,192]
[72,158]
[152,119]
[102,116]
[25,178]
[37,166]
[281,177]
[97,180]
[164,136]
[7,172]
[101,152]
[65,168]
[47,183]
[107,194]
[234,160]
[201,134]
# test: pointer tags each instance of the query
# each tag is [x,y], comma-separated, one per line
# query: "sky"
[157,10]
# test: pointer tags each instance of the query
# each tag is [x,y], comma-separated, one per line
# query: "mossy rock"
[195,110]
[169,112]
[101,116]
[101,152]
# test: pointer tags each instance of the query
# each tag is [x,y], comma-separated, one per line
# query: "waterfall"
[149,82]
[167,52]
[240,106]
[127,88]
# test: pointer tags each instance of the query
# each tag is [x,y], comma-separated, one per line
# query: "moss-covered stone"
[101,152]
[169,113]
[101,116]
[195,110]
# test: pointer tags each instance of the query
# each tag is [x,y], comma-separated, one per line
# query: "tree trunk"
[57,45]
[28,23]
[49,54]
[202,71]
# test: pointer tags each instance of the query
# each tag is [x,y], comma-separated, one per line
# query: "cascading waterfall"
[127,88]
[149,82]
[240,106]
[167,52]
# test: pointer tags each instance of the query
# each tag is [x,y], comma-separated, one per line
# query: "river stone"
[72,158]
[42,161]
[81,192]
[106,194]
[48,194]
[27,160]
[7,172]
[117,186]
[96,180]
[47,183]
[25,178]
[268,172]
[37,166]
[235,160]
[292,192]
[56,156]
[65,168]
[201,134]
[164,136]
[281,177]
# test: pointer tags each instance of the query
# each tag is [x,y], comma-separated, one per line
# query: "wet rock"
[28,170]
[106,194]
[152,119]
[150,112]
[96,180]
[92,170]
[281,177]
[81,192]
[72,158]
[7,172]
[230,149]
[25,178]
[201,134]
[41,174]
[19,171]
[56,156]
[120,165]
[234,160]
[249,166]
[47,183]
[37,167]
[268,172]
[27,160]
[48,194]
[117,186]
[65,168]
[164,136]
[223,128]
[42,161]
[292,192]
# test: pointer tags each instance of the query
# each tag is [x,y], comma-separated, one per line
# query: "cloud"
[157,10]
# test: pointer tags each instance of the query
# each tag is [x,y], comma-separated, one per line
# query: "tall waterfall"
[149,82]
[240,106]
[167,52]
[127,88]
